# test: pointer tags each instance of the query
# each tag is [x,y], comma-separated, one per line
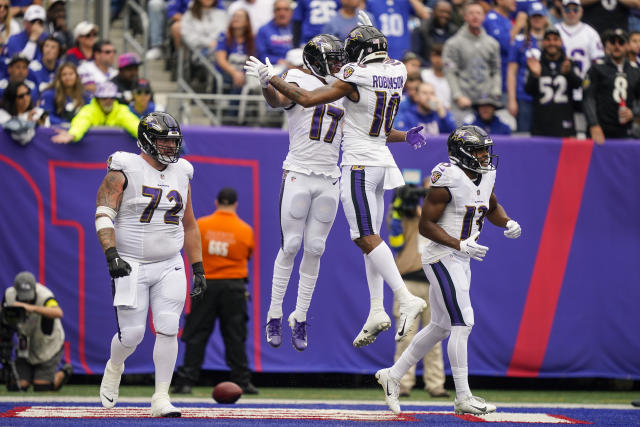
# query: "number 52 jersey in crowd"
[369,120]
[149,223]
[465,212]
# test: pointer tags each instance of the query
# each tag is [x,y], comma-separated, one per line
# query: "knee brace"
[325,208]
[42,387]
[291,244]
[131,336]
[166,323]
[314,246]
[299,205]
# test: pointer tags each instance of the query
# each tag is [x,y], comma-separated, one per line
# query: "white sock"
[165,353]
[376,305]
[374,280]
[457,351]
[119,352]
[382,261]
[281,274]
[309,269]
[420,345]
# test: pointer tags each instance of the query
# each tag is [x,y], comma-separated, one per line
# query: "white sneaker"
[161,406]
[153,54]
[110,385]
[391,389]
[409,312]
[376,322]
[473,405]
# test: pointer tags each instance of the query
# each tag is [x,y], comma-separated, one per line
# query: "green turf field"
[515,396]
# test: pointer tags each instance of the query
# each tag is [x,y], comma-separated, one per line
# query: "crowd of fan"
[524,66]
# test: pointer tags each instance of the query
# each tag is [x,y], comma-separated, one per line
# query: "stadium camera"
[10,317]
[410,196]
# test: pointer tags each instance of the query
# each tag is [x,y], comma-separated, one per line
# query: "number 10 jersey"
[149,222]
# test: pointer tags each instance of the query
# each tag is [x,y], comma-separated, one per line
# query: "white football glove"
[472,248]
[363,18]
[513,230]
[264,72]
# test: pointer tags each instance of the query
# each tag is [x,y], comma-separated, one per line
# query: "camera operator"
[406,242]
[40,333]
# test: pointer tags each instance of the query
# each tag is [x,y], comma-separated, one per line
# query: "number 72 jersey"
[149,222]
[369,120]
[466,210]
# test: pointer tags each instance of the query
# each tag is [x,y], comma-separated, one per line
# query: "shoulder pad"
[120,160]
[294,75]
[443,175]
[186,166]
[352,72]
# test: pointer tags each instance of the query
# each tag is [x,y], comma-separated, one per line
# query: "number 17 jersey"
[369,120]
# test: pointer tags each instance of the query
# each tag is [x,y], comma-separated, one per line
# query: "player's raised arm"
[413,137]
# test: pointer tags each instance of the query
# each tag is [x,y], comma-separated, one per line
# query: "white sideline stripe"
[408,403]
[273,413]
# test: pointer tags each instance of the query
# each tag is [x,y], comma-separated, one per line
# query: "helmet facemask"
[323,55]
[463,145]
[159,136]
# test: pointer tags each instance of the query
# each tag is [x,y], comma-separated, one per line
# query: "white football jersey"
[149,223]
[465,212]
[315,133]
[369,120]
[582,44]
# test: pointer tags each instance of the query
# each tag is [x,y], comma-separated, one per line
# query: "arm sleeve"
[187,26]
[81,123]
[449,57]
[573,79]
[128,120]
[447,124]
[496,87]
[531,85]
[589,88]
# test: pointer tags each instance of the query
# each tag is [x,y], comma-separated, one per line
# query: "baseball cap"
[83,28]
[35,12]
[612,34]
[409,56]
[128,59]
[18,57]
[568,2]
[537,8]
[486,99]
[227,196]
[142,85]
[25,286]
[549,31]
[106,89]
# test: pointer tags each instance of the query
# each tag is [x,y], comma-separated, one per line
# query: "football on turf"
[227,392]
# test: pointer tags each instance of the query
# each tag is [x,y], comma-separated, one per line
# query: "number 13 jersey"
[149,223]
[369,120]
[465,212]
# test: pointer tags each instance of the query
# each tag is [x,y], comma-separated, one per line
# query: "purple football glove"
[415,139]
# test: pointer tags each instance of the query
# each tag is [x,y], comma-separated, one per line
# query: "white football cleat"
[409,312]
[110,385]
[391,389]
[376,322]
[473,405]
[161,406]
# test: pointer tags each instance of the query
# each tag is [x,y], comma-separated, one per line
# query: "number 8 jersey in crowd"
[465,212]
[314,133]
[369,120]
[148,224]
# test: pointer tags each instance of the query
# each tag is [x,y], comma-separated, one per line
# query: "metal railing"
[128,38]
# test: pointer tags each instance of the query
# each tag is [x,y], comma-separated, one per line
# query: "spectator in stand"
[435,30]
[85,34]
[471,63]
[56,23]
[142,103]
[18,71]
[409,93]
[18,116]
[175,11]
[127,78]
[497,23]
[555,11]
[604,15]
[457,14]
[234,48]
[411,62]
[65,95]
[103,110]
[611,88]
[156,13]
[310,17]
[42,71]
[202,24]
[100,68]
[634,47]
[549,82]
[524,46]
[435,76]
[260,11]
[485,116]
[8,25]
[393,20]
[428,112]
[26,42]
[275,38]
[346,19]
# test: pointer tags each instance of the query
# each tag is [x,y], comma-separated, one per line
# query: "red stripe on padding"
[551,259]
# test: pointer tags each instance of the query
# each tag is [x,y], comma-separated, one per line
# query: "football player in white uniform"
[453,214]
[148,195]
[371,85]
[309,193]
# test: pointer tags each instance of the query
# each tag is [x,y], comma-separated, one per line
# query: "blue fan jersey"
[393,18]
[313,15]
[499,27]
